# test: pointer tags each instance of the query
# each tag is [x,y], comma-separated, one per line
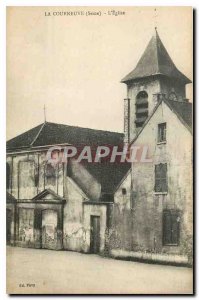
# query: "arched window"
[141,108]
[50,175]
[7,176]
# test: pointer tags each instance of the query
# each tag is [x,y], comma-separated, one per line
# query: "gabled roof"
[52,133]
[183,111]
[155,61]
[42,195]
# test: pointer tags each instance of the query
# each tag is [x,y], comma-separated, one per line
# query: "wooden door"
[95,234]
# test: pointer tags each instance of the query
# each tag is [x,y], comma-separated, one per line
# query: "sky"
[74,64]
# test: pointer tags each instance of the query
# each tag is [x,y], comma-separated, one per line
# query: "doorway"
[49,229]
[8,225]
[95,234]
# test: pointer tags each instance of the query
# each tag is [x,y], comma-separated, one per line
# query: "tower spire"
[155,19]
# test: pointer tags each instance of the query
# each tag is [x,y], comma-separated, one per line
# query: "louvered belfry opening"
[141,108]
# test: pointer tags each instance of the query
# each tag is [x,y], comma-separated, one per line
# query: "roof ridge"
[37,135]
[75,126]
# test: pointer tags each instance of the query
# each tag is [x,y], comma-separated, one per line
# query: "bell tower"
[154,77]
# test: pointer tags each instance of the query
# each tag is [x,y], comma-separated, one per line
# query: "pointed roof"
[155,61]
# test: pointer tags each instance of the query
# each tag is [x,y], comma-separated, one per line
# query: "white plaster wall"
[73,229]
[94,210]
[177,153]
[119,198]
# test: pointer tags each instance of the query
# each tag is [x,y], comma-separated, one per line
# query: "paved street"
[46,271]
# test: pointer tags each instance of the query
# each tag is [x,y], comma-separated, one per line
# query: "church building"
[110,208]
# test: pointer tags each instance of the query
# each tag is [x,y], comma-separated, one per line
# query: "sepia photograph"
[99,150]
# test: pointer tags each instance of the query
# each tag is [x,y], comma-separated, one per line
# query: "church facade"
[107,207]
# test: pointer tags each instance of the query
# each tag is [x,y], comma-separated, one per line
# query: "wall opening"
[141,108]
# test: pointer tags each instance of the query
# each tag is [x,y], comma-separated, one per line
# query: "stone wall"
[121,229]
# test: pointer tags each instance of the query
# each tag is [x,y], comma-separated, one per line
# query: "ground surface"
[69,272]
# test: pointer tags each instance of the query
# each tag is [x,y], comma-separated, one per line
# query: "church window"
[141,108]
[50,172]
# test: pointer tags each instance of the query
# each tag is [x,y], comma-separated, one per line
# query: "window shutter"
[175,229]
[164,133]
[167,228]
[164,186]
[171,227]
[158,178]
[161,178]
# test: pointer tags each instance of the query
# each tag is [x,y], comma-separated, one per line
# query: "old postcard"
[99,150]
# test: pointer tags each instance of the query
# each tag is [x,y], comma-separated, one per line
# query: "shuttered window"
[161,132]
[161,185]
[171,227]
[141,108]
